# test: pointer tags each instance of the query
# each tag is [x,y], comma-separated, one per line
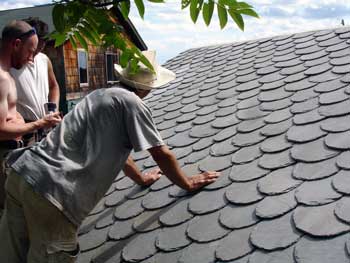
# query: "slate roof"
[274,116]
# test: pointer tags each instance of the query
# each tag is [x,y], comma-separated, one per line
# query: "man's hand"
[200,180]
[150,177]
[51,120]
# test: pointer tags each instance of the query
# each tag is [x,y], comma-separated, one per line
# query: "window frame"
[109,53]
[82,84]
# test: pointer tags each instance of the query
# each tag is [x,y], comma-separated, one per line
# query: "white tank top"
[32,83]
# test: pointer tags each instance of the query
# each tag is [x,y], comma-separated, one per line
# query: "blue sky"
[170,31]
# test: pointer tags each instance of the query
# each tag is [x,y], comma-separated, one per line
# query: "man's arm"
[54,89]
[167,162]
[148,178]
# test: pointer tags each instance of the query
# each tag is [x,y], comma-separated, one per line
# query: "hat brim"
[164,77]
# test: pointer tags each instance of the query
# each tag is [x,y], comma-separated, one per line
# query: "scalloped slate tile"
[124,183]
[304,95]
[247,172]
[207,202]
[246,154]
[276,128]
[276,160]
[315,70]
[275,144]
[318,192]
[93,239]
[212,163]
[275,94]
[305,106]
[158,199]
[308,117]
[315,171]
[248,103]
[342,209]
[278,256]
[226,133]
[251,113]
[223,148]
[343,160]
[333,97]
[177,214]
[202,144]
[276,105]
[129,209]
[278,116]
[340,140]
[247,139]
[173,238]
[221,182]
[278,182]
[121,230]
[238,216]
[329,86]
[182,139]
[305,133]
[243,193]
[249,125]
[315,250]
[199,253]
[276,233]
[197,156]
[235,245]
[147,221]
[141,247]
[341,181]
[319,221]
[199,231]
[277,205]
[313,151]
[204,119]
[224,122]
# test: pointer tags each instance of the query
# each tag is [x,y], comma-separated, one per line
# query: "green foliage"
[89,21]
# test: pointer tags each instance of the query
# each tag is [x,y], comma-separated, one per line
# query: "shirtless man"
[19,42]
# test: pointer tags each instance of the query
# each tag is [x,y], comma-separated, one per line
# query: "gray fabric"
[77,162]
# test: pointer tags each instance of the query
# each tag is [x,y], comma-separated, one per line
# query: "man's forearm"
[54,95]
[130,169]
[11,131]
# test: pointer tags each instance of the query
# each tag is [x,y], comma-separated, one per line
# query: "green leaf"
[222,13]
[133,64]
[195,7]
[72,41]
[244,5]
[86,33]
[125,8]
[145,61]
[156,1]
[248,12]
[58,17]
[81,40]
[208,9]
[140,7]
[185,3]
[237,18]
[59,38]
[124,58]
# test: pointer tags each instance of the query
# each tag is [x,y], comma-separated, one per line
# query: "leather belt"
[11,144]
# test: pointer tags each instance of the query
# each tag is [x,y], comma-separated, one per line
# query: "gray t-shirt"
[79,160]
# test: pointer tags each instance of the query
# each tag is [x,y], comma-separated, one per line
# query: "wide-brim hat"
[145,79]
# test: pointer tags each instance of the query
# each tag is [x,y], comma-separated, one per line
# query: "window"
[83,67]
[111,59]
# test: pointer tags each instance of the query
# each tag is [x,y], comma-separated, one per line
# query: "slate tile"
[308,50]
[299,85]
[247,139]
[129,209]
[305,106]
[203,143]
[199,231]
[338,109]
[276,128]
[212,163]
[313,56]
[238,216]
[248,94]
[224,94]
[318,192]
[315,171]
[223,112]
[166,124]
[204,119]
[247,172]
[248,103]
[341,182]
[306,44]
[302,39]
[140,155]
[124,183]
[172,238]
[206,110]
[149,163]
[295,77]
[342,209]
[339,140]
[340,53]
[207,202]
[116,198]
[276,105]
[221,182]
[313,250]
[197,156]
[251,113]
[323,77]
[227,102]
[147,221]
[177,214]
[182,139]
[329,86]
[223,148]
[273,95]
[250,125]
[246,71]
[243,193]
[277,256]
[305,133]
[278,116]
[315,70]
[277,205]
[330,42]
[272,77]
[235,245]
[263,61]
[275,234]
[333,97]
[158,199]
[308,117]
[246,154]
[86,256]
[321,62]
[179,128]
[275,144]
[199,253]
[247,78]
[278,182]
[93,239]
[224,122]
[312,151]
[272,85]
[141,247]
[341,69]
[226,133]
[304,95]
[286,60]
[121,230]
[276,160]
[319,221]
[207,101]
[343,160]
[267,70]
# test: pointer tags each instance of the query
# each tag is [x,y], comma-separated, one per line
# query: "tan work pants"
[32,230]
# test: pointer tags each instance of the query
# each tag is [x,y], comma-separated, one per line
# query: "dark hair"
[17,29]
[41,27]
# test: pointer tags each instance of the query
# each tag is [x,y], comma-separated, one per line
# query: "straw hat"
[144,78]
